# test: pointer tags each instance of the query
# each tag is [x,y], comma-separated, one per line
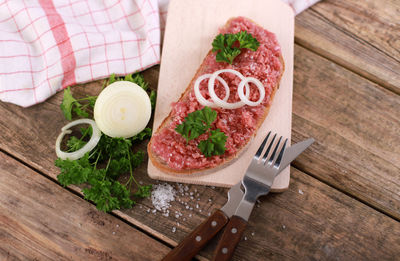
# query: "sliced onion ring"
[216,99]
[96,134]
[200,97]
[244,98]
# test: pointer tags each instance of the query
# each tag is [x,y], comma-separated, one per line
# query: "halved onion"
[216,99]
[200,97]
[244,98]
[96,134]
[122,109]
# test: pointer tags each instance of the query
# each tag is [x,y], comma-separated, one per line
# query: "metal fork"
[256,182]
[261,174]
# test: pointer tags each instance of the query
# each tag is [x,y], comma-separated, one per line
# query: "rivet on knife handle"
[230,238]
[196,240]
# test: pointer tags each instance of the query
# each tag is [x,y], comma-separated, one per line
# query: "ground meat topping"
[238,124]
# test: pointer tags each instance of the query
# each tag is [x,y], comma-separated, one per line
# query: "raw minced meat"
[238,124]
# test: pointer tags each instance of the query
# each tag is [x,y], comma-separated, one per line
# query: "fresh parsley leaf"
[117,167]
[144,191]
[112,79]
[225,45]
[75,144]
[67,103]
[79,110]
[214,145]
[153,98]
[144,134]
[74,171]
[137,158]
[196,123]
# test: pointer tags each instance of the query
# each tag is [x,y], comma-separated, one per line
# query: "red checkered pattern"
[47,45]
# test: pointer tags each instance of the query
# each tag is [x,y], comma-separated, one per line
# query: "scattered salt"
[301,192]
[161,196]
[191,193]
[176,216]
[245,238]
[113,233]
[187,206]
[190,215]
[117,225]
[283,226]
[173,229]
[186,188]
[148,210]
[184,219]
[209,200]
[198,199]
[197,205]
[252,233]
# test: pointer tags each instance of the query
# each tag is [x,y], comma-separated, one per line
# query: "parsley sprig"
[199,122]
[228,46]
[99,170]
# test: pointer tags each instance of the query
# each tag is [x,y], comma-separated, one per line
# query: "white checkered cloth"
[47,45]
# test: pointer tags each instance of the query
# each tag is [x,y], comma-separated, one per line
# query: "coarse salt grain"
[301,192]
[161,196]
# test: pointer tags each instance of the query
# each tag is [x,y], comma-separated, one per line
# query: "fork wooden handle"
[196,240]
[230,238]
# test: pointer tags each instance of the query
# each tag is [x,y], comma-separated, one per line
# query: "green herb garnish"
[199,122]
[100,169]
[228,46]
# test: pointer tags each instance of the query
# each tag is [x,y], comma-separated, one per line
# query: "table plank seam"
[346,65]
[296,166]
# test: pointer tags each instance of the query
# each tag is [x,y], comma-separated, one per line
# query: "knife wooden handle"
[196,240]
[230,238]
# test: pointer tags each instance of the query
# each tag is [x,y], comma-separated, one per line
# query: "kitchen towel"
[47,45]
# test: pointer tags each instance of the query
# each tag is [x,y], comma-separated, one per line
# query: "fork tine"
[261,148]
[271,158]
[280,155]
[268,149]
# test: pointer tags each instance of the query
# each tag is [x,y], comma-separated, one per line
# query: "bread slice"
[161,164]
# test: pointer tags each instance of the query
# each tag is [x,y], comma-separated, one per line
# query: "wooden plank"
[40,220]
[362,36]
[322,223]
[356,126]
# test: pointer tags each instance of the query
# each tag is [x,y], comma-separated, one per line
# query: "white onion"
[244,98]
[216,99]
[122,109]
[96,134]
[200,97]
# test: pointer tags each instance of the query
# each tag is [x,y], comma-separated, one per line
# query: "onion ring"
[216,99]
[96,134]
[245,99]
[200,97]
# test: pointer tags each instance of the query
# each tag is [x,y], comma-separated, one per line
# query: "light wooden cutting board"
[190,30]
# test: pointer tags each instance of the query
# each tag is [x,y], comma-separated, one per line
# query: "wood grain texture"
[363,36]
[356,126]
[40,220]
[321,223]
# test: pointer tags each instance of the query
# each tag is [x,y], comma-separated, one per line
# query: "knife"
[257,182]
[199,237]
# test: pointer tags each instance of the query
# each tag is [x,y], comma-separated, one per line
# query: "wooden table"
[344,197]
